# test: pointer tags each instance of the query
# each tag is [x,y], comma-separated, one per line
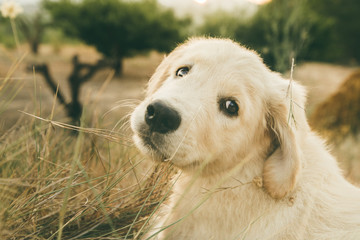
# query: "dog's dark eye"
[181,72]
[229,107]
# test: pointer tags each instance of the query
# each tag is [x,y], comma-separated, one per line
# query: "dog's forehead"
[220,58]
[209,50]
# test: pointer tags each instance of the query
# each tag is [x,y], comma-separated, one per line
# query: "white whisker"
[127,103]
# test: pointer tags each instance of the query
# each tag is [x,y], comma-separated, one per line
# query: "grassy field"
[91,183]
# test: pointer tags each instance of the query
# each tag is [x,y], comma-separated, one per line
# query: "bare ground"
[128,87]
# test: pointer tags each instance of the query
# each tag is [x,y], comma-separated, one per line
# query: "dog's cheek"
[137,118]
[140,145]
[205,138]
[235,141]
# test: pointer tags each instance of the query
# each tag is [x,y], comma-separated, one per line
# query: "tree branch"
[81,73]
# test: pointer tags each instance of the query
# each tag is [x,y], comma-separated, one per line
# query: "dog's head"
[212,101]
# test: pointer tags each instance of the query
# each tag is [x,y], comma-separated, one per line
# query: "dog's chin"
[149,148]
[154,146]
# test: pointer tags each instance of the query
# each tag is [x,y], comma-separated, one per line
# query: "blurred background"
[96,57]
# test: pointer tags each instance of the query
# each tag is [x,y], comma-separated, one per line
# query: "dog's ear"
[282,167]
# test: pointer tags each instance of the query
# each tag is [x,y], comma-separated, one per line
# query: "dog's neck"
[240,170]
[215,172]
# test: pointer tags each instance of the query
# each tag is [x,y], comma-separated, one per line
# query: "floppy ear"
[282,167]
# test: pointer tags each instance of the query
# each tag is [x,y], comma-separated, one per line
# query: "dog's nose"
[162,118]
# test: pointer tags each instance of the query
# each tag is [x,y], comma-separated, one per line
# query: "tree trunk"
[118,66]
[81,73]
[34,47]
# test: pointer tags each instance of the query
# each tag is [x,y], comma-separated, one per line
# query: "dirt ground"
[128,87]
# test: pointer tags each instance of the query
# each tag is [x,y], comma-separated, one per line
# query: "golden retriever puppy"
[250,166]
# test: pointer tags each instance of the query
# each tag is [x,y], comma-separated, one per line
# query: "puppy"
[250,166]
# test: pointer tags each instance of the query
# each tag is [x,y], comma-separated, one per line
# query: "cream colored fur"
[260,175]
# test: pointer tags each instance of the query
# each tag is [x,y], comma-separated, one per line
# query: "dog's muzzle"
[161,118]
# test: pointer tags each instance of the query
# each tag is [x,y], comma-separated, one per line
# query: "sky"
[221,3]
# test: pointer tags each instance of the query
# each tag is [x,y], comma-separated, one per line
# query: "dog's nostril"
[150,111]
[161,118]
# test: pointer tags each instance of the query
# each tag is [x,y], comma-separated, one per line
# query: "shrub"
[339,115]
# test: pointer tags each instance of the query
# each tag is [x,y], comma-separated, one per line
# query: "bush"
[117,28]
[343,29]
[339,115]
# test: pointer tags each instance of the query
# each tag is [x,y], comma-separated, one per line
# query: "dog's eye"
[229,107]
[181,72]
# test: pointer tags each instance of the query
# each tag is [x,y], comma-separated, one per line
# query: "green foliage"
[119,28]
[343,30]
[6,34]
[278,30]
[57,37]
[221,24]
[319,30]
[283,30]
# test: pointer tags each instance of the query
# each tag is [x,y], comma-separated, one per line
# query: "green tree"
[315,30]
[280,30]
[118,28]
[342,40]
[222,24]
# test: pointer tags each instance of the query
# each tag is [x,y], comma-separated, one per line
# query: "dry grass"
[56,184]
[339,115]
[65,182]
[321,80]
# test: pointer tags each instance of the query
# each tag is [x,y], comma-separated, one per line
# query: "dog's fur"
[262,174]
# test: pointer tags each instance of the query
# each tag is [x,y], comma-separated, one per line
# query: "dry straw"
[339,115]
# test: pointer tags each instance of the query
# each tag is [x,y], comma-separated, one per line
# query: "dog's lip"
[148,142]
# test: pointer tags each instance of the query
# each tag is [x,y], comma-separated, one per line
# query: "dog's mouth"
[152,141]
[148,143]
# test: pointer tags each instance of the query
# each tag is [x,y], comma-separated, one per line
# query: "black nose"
[162,118]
